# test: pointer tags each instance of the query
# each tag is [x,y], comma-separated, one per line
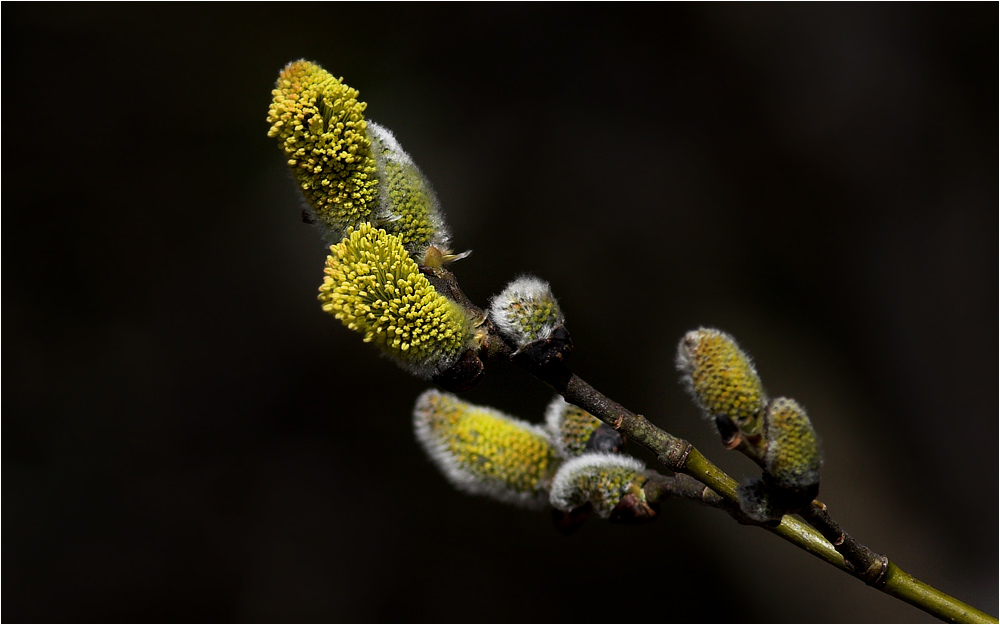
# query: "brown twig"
[868,566]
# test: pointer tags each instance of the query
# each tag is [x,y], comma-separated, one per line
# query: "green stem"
[894,582]
[682,457]
[904,586]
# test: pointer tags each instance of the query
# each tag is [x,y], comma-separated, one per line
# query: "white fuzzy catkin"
[485,452]
[569,426]
[408,206]
[598,478]
[526,311]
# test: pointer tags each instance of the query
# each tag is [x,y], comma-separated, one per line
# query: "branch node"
[880,579]
[681,450]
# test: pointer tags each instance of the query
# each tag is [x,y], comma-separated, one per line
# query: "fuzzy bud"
[483,451]
[792,462]
[528,315]
[575,431]
[611,483]
[373,287]
[526,311]
[723,382]
[408,205]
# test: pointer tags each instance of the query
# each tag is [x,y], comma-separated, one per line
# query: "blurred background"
[188,437]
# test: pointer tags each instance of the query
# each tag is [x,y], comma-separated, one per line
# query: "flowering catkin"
[483,451]
[373,287]
[321,129]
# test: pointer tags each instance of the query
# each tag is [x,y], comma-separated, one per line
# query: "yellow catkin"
[483,451]
[721,378]
[373,287]
[320,126]
[570,427]
[793,458]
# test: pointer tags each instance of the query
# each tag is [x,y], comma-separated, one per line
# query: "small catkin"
[526,311]
[408,205]
[570,427]
[601,480]
[792,461]
[721,378]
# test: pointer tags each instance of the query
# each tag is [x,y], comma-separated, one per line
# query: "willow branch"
[682,457]
[816,533]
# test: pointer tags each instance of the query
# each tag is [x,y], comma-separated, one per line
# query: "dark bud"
[605,439]
[462,375]
[632,511]
[728,430]
[789,498]
[554,349]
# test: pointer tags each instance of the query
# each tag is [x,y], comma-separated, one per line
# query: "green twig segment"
[681,457]
[905,587]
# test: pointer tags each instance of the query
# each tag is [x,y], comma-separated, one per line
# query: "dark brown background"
[188,437]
